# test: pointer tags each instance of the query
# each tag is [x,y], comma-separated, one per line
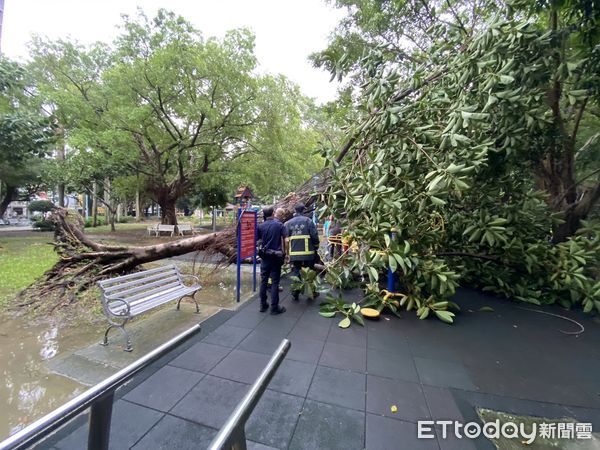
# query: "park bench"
[165,228]
[185,227]
[128,296]
[152,229]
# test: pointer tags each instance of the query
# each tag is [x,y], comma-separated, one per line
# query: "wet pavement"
[44,363]
[336,388]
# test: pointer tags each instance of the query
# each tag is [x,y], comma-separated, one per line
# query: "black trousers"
[297,265]
[270,267]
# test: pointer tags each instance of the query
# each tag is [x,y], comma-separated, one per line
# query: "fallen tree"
[84,261]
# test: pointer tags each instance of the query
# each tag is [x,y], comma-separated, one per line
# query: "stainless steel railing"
[233,436]
[98,398]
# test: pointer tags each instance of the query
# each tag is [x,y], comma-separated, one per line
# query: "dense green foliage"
[467,153]
[25,134]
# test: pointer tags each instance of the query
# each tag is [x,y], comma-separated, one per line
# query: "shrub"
[99,222]
[43,225]
[43,206]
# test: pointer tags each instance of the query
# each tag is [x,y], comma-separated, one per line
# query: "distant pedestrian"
[302,242]
[271,236]
[327,226]
[335,233]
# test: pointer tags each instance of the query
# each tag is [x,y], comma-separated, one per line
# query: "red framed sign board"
[247,234]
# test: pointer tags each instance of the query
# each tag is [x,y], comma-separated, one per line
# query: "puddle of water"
[30,351]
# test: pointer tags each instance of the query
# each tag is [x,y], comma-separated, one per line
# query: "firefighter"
[302,242]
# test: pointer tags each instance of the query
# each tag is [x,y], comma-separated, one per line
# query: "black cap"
[300,208]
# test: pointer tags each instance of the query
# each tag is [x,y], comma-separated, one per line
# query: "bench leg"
[128,346]
[192,297]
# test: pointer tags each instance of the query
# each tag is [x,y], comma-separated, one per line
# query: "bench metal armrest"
[191,276]
[125,312]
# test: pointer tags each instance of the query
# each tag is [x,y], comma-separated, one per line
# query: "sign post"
[247,231]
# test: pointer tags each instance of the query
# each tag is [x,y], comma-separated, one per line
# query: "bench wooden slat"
[130,289]
[152,301]
[143,275]
[151,293]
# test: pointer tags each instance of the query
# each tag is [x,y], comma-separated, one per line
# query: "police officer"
[302,242]
[271,234]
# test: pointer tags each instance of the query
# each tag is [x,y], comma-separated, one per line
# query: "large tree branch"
[167,116]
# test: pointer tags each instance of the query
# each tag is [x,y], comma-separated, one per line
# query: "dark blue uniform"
[303,244]
[270,233]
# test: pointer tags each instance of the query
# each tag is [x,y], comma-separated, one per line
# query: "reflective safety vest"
[301,246]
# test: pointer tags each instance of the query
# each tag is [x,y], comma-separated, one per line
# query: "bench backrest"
[141,284]
[162,227]
[184,227]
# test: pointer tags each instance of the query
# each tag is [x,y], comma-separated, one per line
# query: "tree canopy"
[25,132]
[165,102]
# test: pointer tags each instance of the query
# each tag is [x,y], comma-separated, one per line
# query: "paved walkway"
[336,387]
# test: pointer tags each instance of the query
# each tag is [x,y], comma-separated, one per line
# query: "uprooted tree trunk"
[84,261]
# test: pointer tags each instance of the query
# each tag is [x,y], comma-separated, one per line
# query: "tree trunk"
[575,213]
[9,195]
[60,156]
[107,202]
[214,218]
[167,211]
[138,206]
[95,204]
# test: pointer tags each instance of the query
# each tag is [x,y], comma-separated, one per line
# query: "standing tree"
[165,101]
[24,134]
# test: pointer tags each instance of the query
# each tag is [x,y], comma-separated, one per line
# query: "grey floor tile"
[433,349]
[344,357]
[246,318]
[211,401]
[258,446]
[127,431]
[383,393]
[227,336]
[293,377]
[201,357]
[311,326]
[241,366]
[274,419]
[305,349]
[281,324]
[164,388]
[355,336]
[442,404]
[384,433]
[444,374]
[172,433]
[338,387]
[262,341]
[323,426]
[386,338]
[398,365]
[452,442]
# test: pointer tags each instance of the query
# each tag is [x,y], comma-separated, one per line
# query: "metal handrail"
[232,435]
[99,399]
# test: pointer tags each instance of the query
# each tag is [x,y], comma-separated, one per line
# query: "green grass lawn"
[22,261]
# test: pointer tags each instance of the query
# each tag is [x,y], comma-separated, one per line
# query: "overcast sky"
[287,31]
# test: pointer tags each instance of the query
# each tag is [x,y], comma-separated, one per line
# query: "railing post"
[99,427]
